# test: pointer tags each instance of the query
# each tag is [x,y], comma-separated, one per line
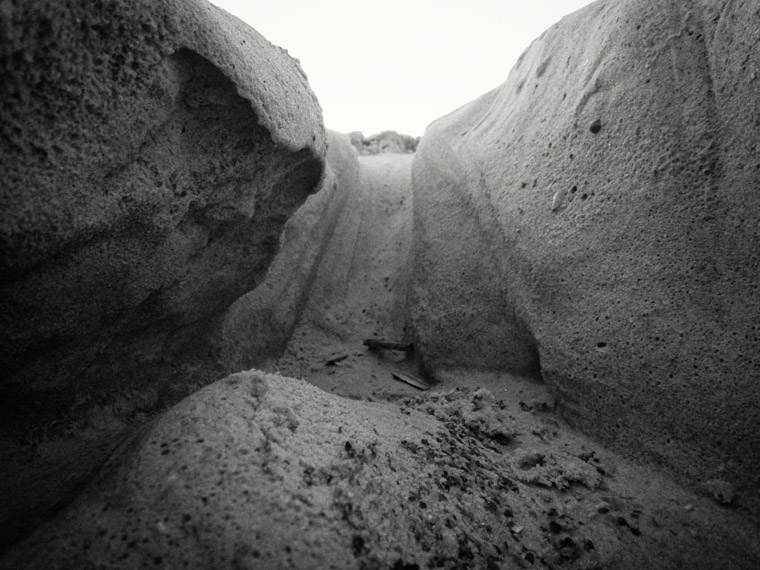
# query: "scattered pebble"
[602,508]
[722,491]
[559,199]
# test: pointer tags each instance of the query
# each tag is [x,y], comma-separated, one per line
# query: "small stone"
[720,490]
[559,199]
[602,508]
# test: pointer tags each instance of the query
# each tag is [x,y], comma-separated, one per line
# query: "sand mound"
[262,471]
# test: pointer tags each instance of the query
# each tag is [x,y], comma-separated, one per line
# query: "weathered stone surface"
[151,153]
[596,218]
[261,471]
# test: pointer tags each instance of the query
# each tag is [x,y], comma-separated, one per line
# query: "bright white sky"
[400,64]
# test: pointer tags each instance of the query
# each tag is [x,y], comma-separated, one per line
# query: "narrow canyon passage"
[198,276]
[361,288]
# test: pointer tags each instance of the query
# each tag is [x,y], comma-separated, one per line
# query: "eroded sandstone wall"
[151,153]
[595,220]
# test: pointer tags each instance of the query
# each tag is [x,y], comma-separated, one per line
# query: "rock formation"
[386,141]
[260,471]
[581,240]
[594,221]
[151,154]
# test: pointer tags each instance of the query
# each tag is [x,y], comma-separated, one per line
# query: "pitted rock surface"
[595,221]
[262,471]
[151,153]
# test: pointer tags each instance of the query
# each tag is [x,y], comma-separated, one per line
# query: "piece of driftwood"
[335,358]
[411,380]
[374,344]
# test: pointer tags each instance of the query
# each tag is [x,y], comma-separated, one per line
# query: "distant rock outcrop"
[386,141]
[151,153]
[596,221]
